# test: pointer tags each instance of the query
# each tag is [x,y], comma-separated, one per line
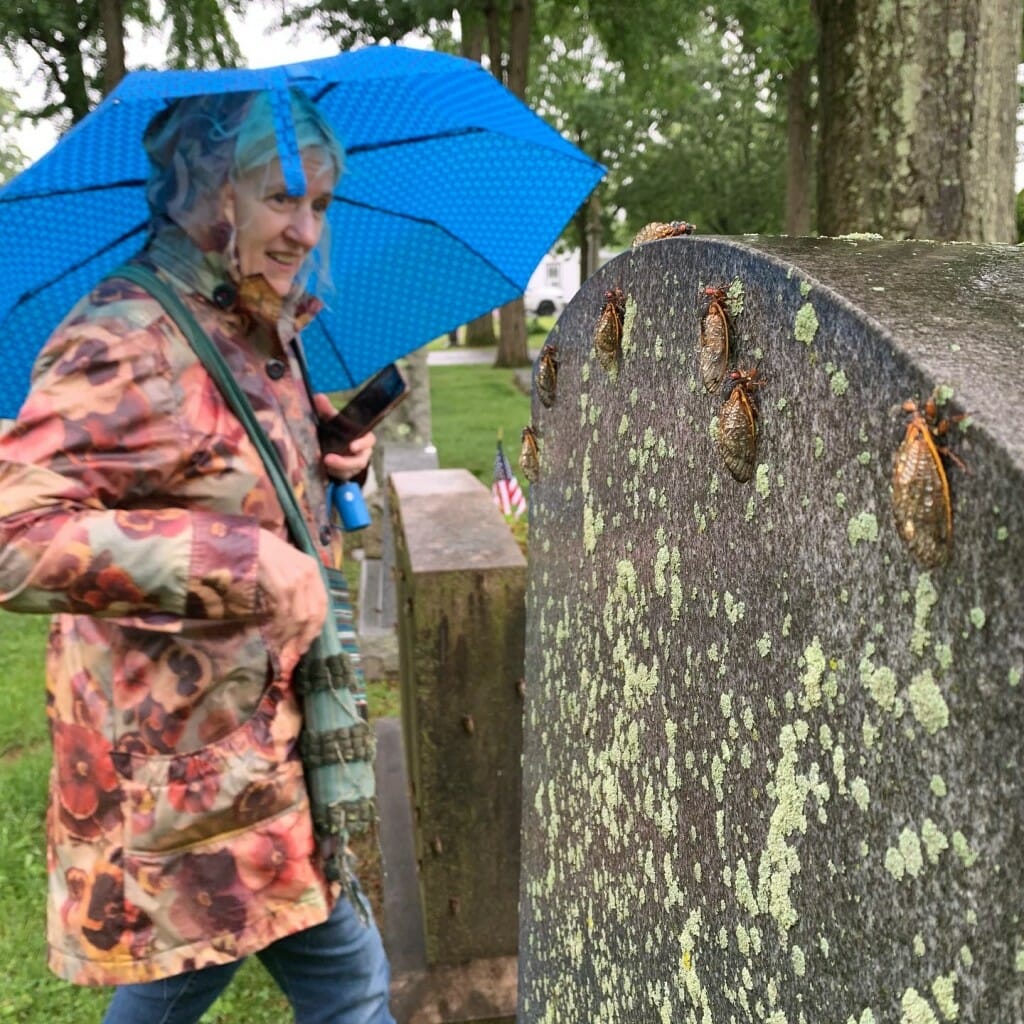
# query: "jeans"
[332,973]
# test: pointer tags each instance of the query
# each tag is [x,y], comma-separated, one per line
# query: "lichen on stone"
[944,994]
[894,863]
[962,848]
[934,840]
[734,610]
[805,325]
[910,850]
[862,527]
[628,322]
[925,598]
[916,1009]
[880,682]
[799,961]
[734,299]
[839,384]
[859,792]
[927,702]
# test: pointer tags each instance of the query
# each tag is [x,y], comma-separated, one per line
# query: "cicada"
[662,229]
[547,375]
[921,502]
[529,455]
[737,424]
[714,339]
[608,334]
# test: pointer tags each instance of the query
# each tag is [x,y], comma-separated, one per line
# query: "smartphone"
[364,410]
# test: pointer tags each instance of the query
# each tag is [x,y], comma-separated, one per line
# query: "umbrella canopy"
[452,193]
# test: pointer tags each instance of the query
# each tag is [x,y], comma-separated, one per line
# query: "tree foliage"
[73,40]
[356,22]
[689,129]
[11,157]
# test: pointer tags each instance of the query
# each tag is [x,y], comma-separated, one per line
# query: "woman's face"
[275,231]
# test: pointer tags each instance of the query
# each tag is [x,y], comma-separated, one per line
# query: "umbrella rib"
[337,351]
[127,183]
[428,222]
[413,140]
[33,292]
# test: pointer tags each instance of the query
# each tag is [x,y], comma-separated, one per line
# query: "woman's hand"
[345,467]
[292,597]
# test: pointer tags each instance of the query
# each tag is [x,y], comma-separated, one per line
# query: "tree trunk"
[74,88]
[495,50]
[917,115]
[512,345]
[799,119]
[592,225]
[112,26]
[480,332]
[473,30]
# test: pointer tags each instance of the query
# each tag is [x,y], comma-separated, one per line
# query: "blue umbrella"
[453,192]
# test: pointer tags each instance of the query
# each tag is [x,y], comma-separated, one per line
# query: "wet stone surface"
[773,766]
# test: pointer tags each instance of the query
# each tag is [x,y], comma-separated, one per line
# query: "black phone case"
[337,433]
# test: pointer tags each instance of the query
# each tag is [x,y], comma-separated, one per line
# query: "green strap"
[218,369]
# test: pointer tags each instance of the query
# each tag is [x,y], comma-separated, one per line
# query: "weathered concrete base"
[378,642]
[480,991]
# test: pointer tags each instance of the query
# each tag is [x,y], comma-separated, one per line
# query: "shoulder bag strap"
[218,369]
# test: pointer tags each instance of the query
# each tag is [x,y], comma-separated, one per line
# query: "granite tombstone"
[774,734]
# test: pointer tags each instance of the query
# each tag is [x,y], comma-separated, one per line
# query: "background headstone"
[461,580]
[774,769]
[403,443]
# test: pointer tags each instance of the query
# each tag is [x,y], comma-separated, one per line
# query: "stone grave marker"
[774,750]
[460,585]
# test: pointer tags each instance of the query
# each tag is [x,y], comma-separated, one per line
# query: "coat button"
[225,296]
[275,369]
[325,535]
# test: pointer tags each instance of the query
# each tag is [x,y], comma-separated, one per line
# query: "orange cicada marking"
[547,375]
[921,501]
[662,229]
[737,424]
[713,353]
[529,455]
[608,333]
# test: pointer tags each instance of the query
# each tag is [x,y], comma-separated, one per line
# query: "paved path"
[461,356]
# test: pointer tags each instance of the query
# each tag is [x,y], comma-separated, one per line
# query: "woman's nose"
[305,226]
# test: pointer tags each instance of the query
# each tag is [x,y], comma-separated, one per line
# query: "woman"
[135,508]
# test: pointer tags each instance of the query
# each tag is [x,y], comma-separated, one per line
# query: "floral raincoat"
[131,507]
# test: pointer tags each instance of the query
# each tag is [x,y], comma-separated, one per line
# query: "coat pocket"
[217,891]
[248,776]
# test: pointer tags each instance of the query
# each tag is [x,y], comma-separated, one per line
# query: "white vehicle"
[552,284]
[555,281]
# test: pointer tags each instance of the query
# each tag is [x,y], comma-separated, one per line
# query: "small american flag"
[505,489]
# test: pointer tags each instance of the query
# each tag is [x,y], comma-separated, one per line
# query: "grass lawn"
[469,405]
